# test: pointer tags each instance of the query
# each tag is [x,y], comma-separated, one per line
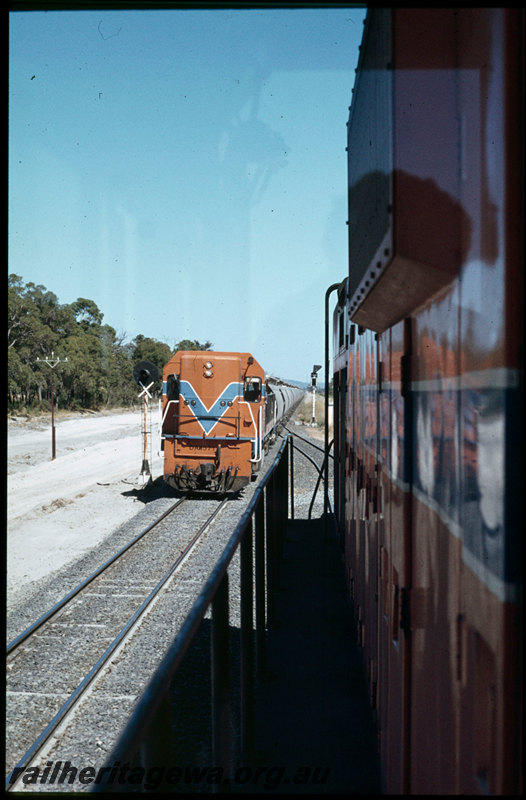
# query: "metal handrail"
[270,496]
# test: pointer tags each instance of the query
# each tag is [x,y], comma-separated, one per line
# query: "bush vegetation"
[99,369]
[304,413]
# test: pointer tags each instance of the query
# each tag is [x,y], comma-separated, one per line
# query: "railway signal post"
[145,394]
[145,374]
[52,362]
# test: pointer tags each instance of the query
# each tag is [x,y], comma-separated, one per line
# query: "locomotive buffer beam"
[205,477]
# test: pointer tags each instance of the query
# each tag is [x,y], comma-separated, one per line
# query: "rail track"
[51,664]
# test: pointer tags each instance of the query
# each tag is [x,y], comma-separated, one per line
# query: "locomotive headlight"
[208,373]
[207,369]
[208,365]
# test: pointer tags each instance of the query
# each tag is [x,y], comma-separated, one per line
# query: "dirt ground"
[57,509]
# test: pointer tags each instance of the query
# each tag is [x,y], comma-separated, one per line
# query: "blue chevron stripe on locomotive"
[209,417]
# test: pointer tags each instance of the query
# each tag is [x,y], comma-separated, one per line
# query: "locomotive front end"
[212,415]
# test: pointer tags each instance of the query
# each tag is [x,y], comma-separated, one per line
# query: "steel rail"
[321,470]
[317,467]
[61,603]
[151,698]
[89,677]
[307,441]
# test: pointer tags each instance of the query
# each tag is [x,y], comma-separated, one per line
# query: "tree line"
[99,368]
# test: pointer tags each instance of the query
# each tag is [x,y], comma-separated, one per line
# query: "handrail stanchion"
[246,677]
[283,502]
[270,548]
[260,586]
[291,472]
[329,291]
[221,681]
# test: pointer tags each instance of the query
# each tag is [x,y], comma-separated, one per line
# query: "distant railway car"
[218,416]
[428,393]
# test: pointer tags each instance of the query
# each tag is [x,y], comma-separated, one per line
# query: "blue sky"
[186,170]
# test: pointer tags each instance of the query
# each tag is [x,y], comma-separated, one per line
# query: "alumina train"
[219,415]
[428,388]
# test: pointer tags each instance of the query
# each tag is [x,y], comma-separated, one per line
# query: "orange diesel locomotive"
[218,416]
[428,393]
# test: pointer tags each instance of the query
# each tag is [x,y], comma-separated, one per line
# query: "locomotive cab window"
[172,387]
[252,390]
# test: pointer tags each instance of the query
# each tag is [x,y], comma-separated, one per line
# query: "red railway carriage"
[213,420]
[428,393]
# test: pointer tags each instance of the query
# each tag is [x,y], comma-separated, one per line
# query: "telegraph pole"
[52,362]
